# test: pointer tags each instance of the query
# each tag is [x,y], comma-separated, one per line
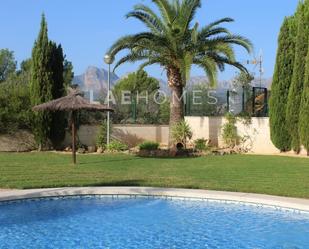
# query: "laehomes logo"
[197,97]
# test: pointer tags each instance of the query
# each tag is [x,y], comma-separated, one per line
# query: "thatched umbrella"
[73,102]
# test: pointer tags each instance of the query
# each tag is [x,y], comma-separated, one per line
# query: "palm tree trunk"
[177,99]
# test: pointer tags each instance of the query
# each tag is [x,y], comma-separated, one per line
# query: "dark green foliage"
[47,83]
[68,73]
[41,85]
[164,112]
[137,82]
[7,64]
[296,88]
[304,110]
[58,119]
[139,107]
[148,145]
[280,135]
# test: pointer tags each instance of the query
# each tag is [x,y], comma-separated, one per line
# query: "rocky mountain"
[95,79]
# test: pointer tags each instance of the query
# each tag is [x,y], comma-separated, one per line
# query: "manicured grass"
[257,174]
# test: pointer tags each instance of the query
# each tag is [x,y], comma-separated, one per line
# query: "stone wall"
[20,141]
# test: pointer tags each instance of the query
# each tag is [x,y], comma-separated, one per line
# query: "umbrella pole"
[73,138]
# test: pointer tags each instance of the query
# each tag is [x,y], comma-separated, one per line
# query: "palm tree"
[174,42]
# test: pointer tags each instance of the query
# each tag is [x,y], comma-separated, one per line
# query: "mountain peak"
[94,79]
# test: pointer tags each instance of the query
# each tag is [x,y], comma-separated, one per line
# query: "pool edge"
[257,199]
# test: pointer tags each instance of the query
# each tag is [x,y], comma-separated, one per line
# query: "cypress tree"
[58,119]
[295,92]
[304,110]
[281,84]
[41,85]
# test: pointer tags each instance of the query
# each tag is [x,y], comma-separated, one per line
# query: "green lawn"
[257,174]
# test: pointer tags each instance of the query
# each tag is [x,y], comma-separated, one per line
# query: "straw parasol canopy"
[73,102]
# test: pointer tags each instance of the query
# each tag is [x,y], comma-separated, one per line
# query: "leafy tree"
[296,88]
[15,106]
[280,135]
[138,84]
[174,42]
[7,64]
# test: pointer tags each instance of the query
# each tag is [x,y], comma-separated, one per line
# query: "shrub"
[229,131]
[181,133]
[117,146]
[201,144]
[101,138]
[15,107]
[148,145]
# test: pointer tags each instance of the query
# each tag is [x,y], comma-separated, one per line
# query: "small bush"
[229,131]
[201,144]
[102,135]
[117,146]
[181,133]
[148,145]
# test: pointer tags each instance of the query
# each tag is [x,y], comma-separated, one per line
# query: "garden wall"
[257,133]
[130,134]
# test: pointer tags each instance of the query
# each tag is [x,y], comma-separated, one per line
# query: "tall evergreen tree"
[47,83]
[294,97]
[304,110]
[58,122]
[41,84]
[281,85]
[68,73]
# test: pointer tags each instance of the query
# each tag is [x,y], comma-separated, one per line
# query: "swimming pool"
[105,222]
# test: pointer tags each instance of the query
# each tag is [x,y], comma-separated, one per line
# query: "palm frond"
[150,12]
[167,11]
[187,12]
[210,68]
[230,39]
[148,20]
[129,58]
[215,23]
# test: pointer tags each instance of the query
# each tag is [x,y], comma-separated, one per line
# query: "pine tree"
[41,85]
[281,84]
[58,121]
[295,92]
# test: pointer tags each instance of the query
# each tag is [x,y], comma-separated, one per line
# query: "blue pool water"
[92,222]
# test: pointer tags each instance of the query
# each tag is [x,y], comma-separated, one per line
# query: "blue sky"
[86,29]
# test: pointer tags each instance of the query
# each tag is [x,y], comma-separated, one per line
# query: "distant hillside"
[95,79]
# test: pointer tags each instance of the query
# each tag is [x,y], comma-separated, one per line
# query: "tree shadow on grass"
[109,160]
[123,183]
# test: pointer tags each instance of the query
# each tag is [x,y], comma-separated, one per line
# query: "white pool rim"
[281,203]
